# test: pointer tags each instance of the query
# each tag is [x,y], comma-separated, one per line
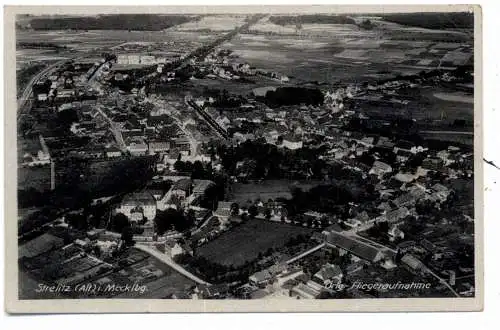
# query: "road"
[217,128]
[303,254]
[442,281]
[169,262]
[114,129]
[194,144]
[22,102]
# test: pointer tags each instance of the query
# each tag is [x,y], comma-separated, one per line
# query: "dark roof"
[40,245]
[357,248]
[143,197]
[182,184]
[328,271]
[403,144]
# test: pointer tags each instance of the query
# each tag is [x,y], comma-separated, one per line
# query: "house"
[395,233]
[172,248]
[158,147]
[385,143]
[113,152]
[358,220]
[328,274]
[200,186]
[306,291]
[429,246]
[183,144]
[260,279]
[412,263]
[223,211]
[380,168]
[440,192]
[216,291]
[347,244]
[137,148]
[433,164]
[143,201]
[394,215]
[403,145]
[409,198]
[182,188]
[292,142]
[402,156]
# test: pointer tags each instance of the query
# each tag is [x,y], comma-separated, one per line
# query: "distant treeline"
[44,45]
[142,22]
[311,19]
[293,95]
[460,20]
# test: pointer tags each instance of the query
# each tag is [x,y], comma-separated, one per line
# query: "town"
[187,170]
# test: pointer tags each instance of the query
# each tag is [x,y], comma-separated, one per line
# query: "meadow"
[244,242]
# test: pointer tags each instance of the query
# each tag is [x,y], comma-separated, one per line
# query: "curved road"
[28,90]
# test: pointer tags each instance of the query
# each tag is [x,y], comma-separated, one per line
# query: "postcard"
[243,159]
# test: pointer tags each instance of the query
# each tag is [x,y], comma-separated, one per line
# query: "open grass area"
[245,242]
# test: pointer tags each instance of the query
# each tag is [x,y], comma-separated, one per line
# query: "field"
[244,243]
[90,40]
[212,23]
[346,53]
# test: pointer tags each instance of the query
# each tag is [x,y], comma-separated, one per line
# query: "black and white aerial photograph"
[239,156]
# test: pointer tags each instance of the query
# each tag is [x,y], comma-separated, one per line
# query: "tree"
[127,236]
[118,222]
[77,220]
[253,211]
[235,209]
[171,219]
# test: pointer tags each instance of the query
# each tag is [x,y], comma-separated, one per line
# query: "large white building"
[138,202]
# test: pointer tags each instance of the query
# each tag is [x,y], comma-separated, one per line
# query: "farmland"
[245,242]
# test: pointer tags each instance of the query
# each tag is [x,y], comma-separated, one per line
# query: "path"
[169,262]
[303,254]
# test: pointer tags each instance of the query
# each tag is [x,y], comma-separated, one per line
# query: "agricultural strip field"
[243,243]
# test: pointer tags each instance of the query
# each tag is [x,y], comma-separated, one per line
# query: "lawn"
[245,242]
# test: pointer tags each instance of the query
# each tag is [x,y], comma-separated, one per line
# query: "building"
[200,186]
[440,192]
[292,142]
[310,290]
[433,164]
[182,144]
[394,215]
[380,168]
[158,147]
[329,274]
[223,211]
[39,245]
[143,201]
[182,188]
[172,248]
[113,152]
[347,244]
[412,263]
[137,148]
[217,291]
[260,279]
